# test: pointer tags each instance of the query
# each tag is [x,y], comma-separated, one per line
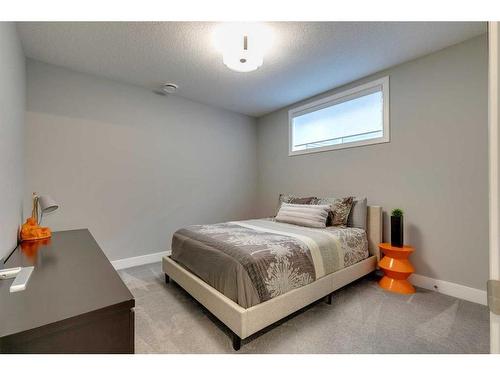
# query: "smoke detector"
[167,88]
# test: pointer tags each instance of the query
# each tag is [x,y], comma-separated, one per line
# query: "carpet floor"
[362,319]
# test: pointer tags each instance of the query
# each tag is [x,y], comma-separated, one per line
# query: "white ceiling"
[307,58]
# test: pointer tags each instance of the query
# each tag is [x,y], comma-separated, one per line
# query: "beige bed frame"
[245,322]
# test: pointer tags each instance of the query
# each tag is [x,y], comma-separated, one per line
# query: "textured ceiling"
[306,59]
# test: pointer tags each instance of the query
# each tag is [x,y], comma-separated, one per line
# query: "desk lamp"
[31,230]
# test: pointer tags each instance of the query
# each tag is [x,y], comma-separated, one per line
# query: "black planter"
[397,231]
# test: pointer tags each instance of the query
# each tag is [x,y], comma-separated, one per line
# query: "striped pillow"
[305,215]
[290,198]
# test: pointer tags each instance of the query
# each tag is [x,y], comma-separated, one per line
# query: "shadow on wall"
[86,97]
[414,236]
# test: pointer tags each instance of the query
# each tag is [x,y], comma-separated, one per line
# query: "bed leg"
[167,279]
[329,299]
[236,342]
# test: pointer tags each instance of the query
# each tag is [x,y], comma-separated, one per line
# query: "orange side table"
[397,268]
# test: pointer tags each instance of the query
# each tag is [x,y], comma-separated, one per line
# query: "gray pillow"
[340,209]
[305,215]
[357,216]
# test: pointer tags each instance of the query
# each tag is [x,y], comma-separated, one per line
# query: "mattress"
[253,261]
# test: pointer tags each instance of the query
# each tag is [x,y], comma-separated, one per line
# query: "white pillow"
[306,215]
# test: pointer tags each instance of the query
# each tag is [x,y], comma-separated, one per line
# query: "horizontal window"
[355,117]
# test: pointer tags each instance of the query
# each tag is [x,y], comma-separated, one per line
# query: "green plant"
[397,212]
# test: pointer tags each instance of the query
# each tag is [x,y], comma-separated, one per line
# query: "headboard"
[374,229]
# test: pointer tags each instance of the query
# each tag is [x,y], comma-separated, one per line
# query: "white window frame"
[338,98]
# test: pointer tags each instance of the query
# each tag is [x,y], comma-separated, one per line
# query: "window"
[355,117]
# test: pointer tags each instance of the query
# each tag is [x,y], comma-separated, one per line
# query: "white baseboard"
[450,289]
[441,286]
[139,261]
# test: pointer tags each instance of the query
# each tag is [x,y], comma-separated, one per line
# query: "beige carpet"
[362,319]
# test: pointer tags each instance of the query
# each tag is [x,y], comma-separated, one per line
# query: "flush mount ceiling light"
[243,45]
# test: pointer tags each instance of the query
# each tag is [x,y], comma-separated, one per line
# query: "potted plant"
[397,227]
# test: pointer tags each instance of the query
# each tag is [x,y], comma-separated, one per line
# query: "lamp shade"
[47,204]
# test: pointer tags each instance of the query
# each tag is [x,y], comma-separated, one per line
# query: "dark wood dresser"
[75,301]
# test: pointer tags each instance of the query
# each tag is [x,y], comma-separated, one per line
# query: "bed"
[250,274]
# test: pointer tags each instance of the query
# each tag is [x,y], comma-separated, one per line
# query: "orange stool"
[397,268]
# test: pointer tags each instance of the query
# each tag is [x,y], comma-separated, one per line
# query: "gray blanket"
[253,261]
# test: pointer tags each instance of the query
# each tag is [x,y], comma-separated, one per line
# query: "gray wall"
[133,166]
[435,166]
[12,108]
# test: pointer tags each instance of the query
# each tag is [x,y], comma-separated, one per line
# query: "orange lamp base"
[31,231]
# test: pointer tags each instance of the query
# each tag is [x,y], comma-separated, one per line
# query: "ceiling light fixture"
[243,45]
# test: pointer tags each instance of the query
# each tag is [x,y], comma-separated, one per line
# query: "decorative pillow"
[340,209]
[357,217]
[306,215]
[290,198]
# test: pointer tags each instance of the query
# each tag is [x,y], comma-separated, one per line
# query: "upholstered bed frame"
[245,322]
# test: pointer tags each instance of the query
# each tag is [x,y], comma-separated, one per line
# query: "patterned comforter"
[255,260]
